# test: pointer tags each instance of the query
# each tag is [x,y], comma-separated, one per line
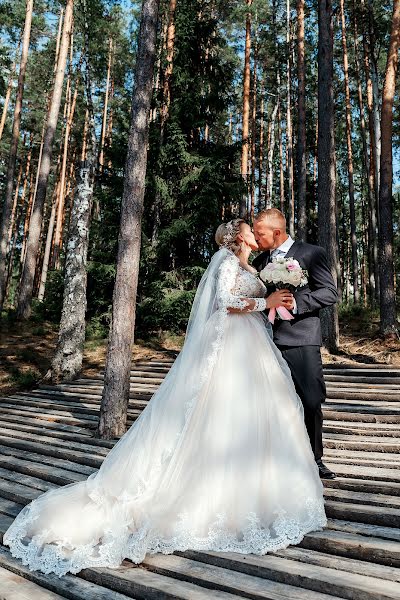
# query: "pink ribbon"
[282,312]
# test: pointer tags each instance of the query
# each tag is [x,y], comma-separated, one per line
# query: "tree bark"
[373,170]
[326,164]
[270,157]
[49,240]
[388,323]
[8,93]
[67,362]
[289,134]
[253,137]
[350,166]
[373,89]
[261,148]
[60,212]
[8,200]
[32,250]
[372,239]
[246,113]
[166,101]
[119,353]
[281,170]
[301,125]
[105,108]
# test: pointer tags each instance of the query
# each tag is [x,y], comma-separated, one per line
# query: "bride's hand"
[280,298]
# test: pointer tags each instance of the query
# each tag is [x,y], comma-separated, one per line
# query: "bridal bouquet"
[283,273]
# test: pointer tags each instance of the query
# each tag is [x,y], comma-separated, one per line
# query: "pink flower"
[292,265]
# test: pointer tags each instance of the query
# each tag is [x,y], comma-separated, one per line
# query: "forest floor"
[26,349]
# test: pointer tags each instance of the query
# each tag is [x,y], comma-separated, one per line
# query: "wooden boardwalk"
[46,440]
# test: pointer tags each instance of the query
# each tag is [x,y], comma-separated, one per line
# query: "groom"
[300,339]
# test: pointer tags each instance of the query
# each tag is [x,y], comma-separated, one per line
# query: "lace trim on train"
[61,558]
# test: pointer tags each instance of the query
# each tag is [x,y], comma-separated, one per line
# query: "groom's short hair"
[273,215]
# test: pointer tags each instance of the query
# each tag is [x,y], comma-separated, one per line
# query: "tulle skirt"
[224,465]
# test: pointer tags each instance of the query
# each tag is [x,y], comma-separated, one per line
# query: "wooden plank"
[367,485]
[389,517]
[17,492]
[87,445]
[364,498]
[15,587]
[83,458]
[10,507]
[377,474]
[30,456]
[71,587]
[312,557]
[375,531]
[149,585]
[48,473]
[232,581]
[80,426]
[27,480]
[341,543]
[316,577]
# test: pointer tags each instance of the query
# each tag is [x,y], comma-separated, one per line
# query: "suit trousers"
[305,364]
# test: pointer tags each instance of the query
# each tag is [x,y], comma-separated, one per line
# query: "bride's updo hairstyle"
[226,235]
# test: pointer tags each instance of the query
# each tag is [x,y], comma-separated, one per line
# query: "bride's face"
[247,236]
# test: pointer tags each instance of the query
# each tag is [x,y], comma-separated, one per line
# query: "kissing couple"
[227,455]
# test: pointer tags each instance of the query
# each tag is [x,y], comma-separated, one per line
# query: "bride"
[219,460]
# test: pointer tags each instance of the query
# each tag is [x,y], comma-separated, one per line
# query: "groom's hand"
[280,298]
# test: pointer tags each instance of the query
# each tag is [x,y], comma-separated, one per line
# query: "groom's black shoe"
[324,472]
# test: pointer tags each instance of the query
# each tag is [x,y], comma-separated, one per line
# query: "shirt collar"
[285,247]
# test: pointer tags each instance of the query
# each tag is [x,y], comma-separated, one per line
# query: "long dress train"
[219,460]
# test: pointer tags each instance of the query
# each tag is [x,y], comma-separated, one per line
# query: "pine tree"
[118,362]
[386,265]
[33,242]
[327,164]
[7,204]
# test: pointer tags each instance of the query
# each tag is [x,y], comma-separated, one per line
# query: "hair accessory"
[229,235]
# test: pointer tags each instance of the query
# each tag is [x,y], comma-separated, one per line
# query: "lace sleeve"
[226,298]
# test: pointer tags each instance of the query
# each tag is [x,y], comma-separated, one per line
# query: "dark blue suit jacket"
[321,291]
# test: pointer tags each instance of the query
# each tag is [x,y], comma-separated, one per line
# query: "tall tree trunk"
[67,362]
[386,265]
[270,159]
[15,202]
[327,164]
[32,250]
[373,167]
[261,148]
[371,213]
[166,101]
[301,125]
[246,113]
[289,134]
[60,212]
[8,200]
[119,353]
[105,107]
[253,136]
[281,170]
[49,236]
[350,167]
[8,93]
[373,88]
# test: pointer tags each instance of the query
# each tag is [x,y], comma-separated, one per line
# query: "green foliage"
[24,379]
[50,309]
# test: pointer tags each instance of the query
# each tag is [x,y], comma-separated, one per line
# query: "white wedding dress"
[219,460]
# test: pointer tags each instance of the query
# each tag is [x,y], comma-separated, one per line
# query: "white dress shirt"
[282,250]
